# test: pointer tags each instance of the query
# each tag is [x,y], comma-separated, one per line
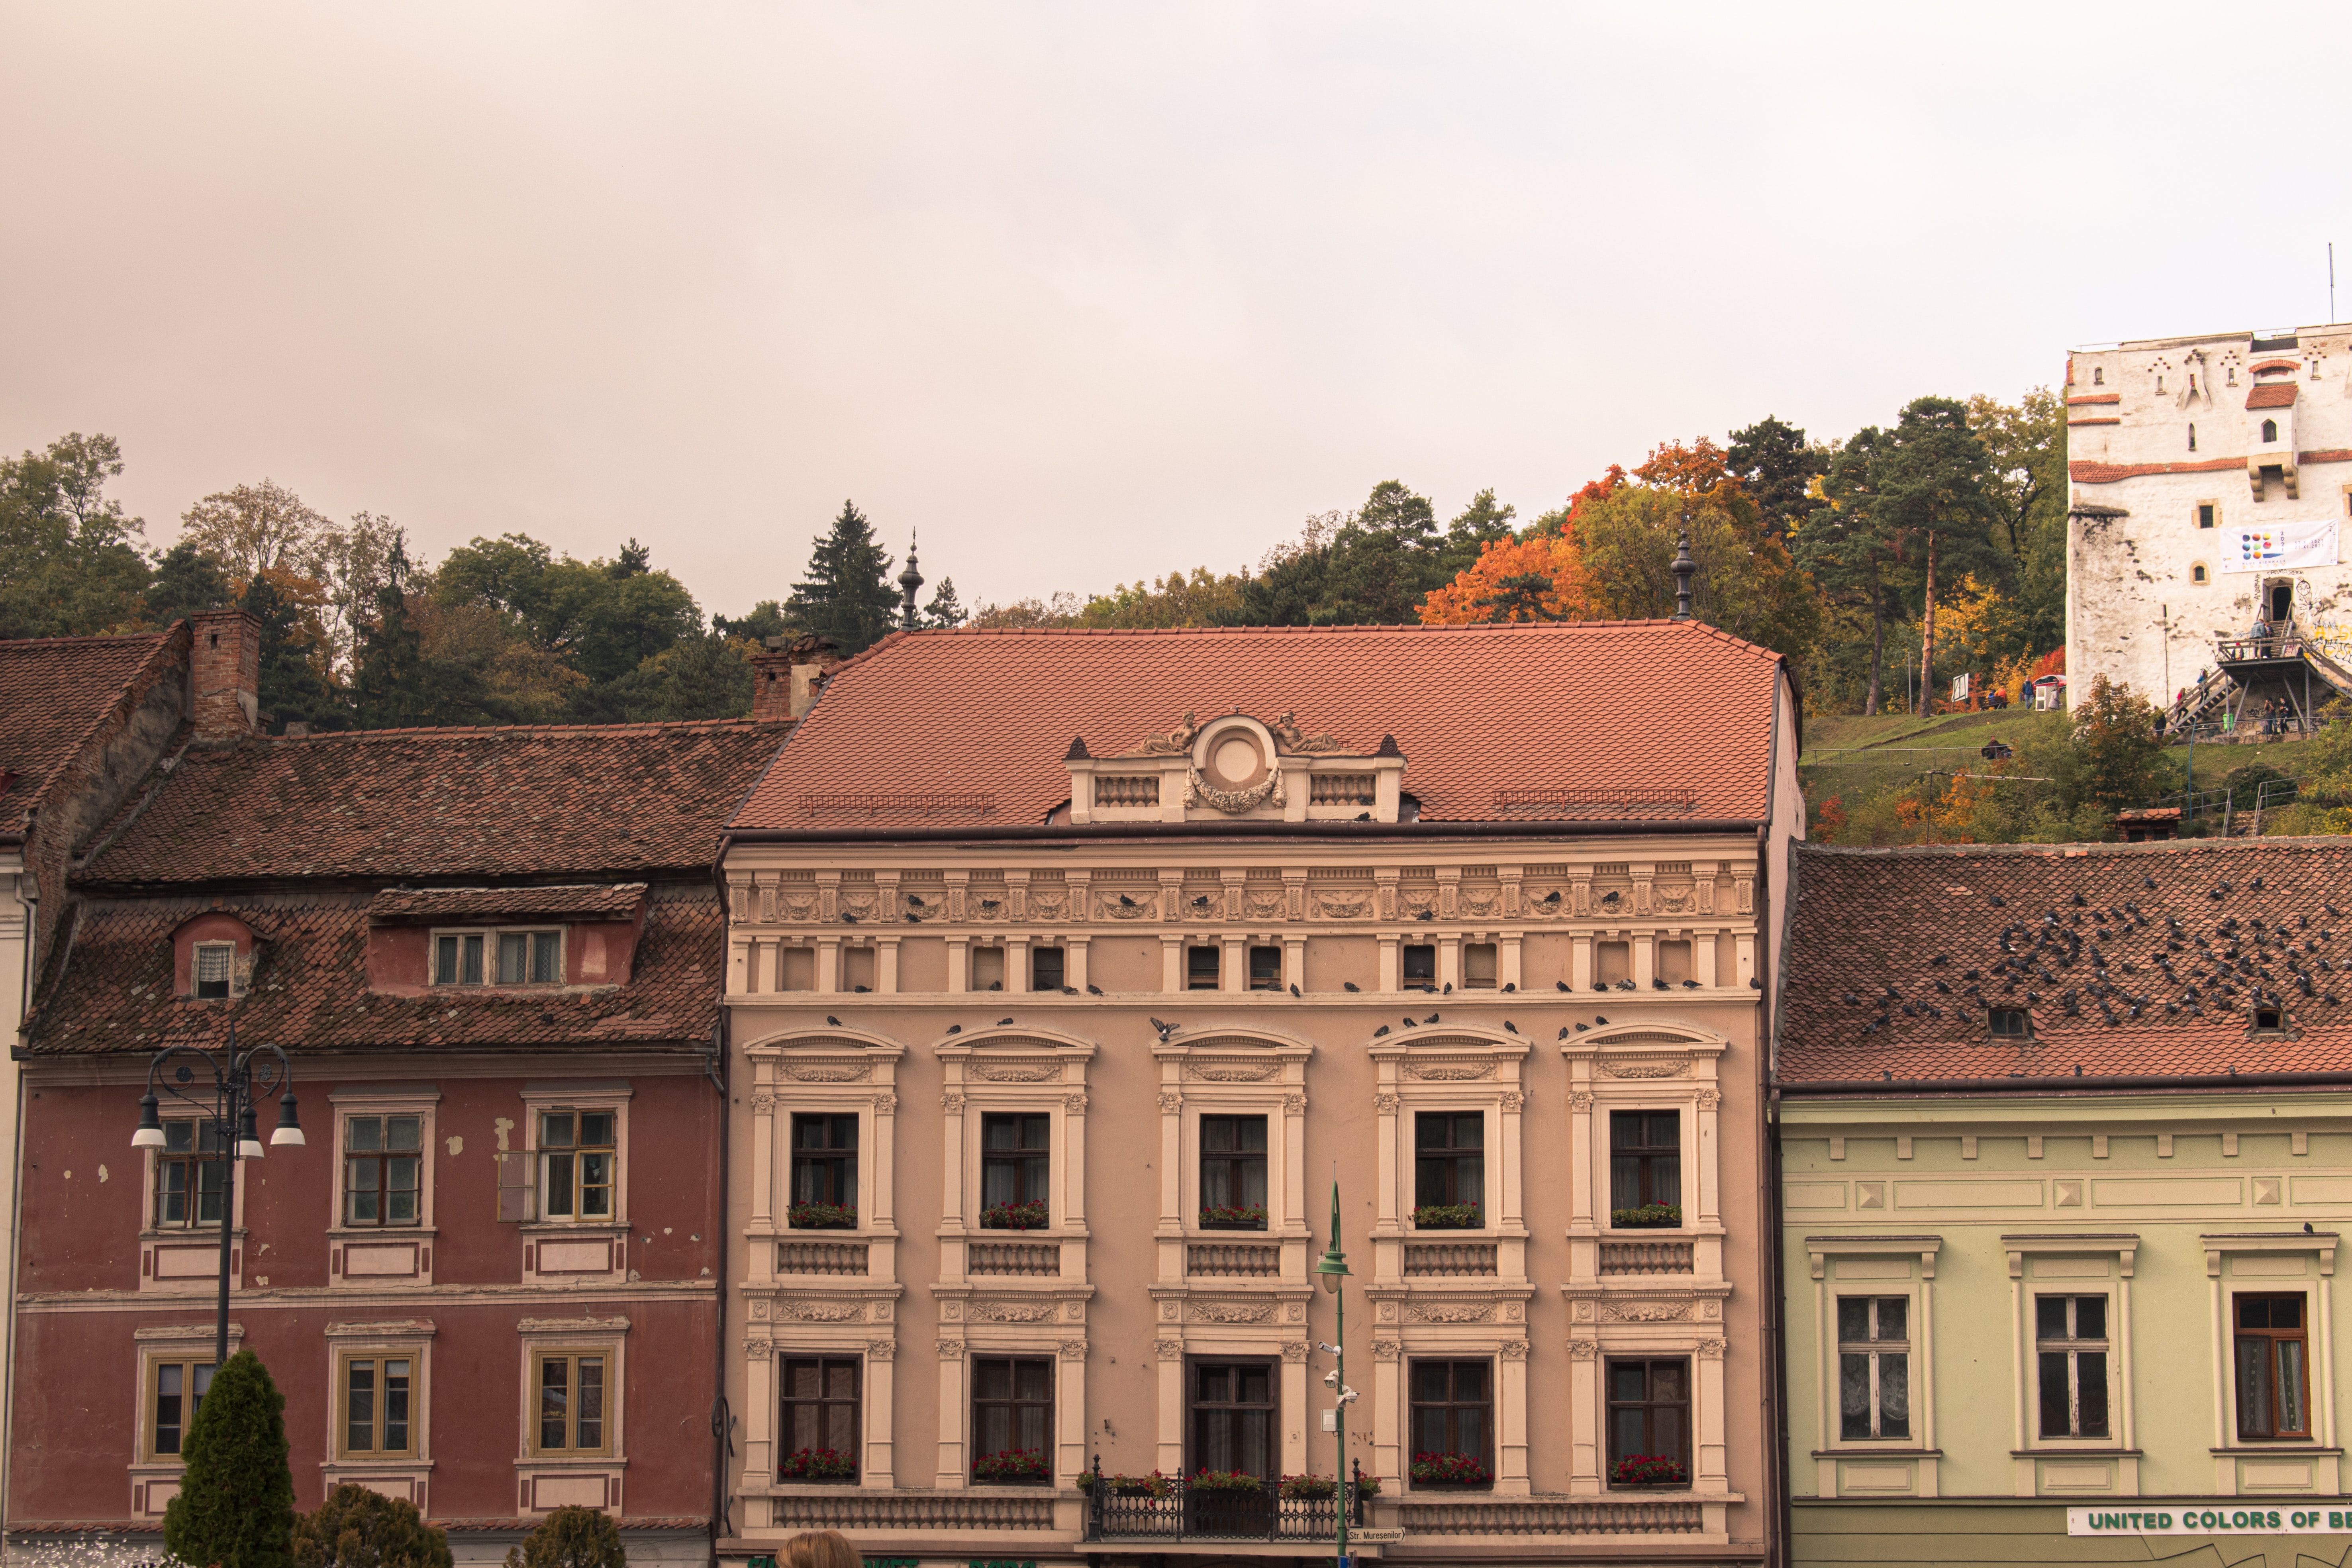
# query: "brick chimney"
[225,673]
[772,682]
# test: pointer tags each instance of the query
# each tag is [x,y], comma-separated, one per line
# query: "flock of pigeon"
[2233,965]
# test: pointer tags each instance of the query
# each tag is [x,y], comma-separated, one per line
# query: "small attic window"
[214,963]
[2270,1021]
[2009,1023]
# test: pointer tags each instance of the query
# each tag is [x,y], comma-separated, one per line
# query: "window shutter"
[518,1193]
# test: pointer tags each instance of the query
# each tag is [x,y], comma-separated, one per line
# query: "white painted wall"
[2135,610]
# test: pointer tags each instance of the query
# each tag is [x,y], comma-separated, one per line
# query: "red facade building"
[489,1280]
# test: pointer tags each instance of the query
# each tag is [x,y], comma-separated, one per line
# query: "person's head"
[819,1549]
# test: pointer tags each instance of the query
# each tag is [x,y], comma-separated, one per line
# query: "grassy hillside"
[1855,758]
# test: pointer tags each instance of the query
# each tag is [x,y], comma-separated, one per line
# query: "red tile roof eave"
[2042,1084]
[1108,831]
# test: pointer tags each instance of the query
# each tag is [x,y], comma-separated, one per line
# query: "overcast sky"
[1084,293]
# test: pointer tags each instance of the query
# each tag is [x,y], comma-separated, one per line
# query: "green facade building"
[2066,1159]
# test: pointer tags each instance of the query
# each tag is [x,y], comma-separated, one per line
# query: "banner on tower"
[2279,544]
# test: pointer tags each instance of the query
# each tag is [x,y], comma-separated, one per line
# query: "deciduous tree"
[355,1528]
[69,566]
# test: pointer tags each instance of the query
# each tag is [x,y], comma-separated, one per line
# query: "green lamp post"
[1331,1269]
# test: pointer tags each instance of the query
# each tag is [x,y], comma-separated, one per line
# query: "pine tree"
[388,677]
[944,613]
[235,1503]
[355,1528]
[292,686]
[847,595]
[570,1538]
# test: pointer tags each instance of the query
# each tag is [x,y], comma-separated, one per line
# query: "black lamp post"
[237,1084]
[1331,1271]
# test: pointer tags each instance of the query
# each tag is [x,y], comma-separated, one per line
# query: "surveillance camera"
[1331,1378]
[1347,1396]
[1326,1350]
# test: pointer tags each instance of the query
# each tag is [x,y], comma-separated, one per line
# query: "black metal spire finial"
[1682,568]
[909,581]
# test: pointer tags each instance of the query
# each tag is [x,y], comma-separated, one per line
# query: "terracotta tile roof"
[958,729]
[309,986]
[2275,396]
[389,804]
[56,694]
[1868,921]
[2084,471]
[618,901]
[2094,397]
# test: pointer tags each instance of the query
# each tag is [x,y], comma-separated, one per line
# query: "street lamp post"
[236,1085]
[1331,1269]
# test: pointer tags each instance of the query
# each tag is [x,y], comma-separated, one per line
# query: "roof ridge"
[9,644]
[464,730]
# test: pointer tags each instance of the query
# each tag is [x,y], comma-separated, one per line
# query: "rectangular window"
[817,1435]
[987,969]
[1200,969]
[1478,972]
[1612,962]
[384,1165]
[2009,1023]
[1234,1407]
[214,962]
[1873,1367]
[1674,962]
[1045,969]
[1645,1167]
[176,1388]
[1012,1416]
[825,1159]
[575,1157]
[1266,969]
[1649,1412]
[376,1392]
[188,1176]
[501,958]
[2205,510]
[1449,1158]
[2070,1336]
[1420,965]
[2274,1368]
[1014,1158]
[1233,1173]
[1454,1410]
[573,1416]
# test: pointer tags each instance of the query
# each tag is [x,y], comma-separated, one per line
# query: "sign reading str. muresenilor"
[2223,1516]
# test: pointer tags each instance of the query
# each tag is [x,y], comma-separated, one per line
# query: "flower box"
[1011,1467]
[1231,1216]
[1649,1470]
[1649,1216]
[1448,1216]
[817,1464]
[821,1216]
[1014,1217]
[1153,1485]
[1431,1470]
[1312,1486]
[1223,1481]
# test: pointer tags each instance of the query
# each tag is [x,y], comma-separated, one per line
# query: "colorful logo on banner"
[2280,545]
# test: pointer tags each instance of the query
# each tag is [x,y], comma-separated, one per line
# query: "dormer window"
[2270,1021]
[215,961]
[2009,1023]
[498,957]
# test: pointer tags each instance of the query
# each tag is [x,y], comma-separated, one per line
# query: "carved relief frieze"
[1076,1104]
[1111,904]
[1674,900]
[1014,1072]
[1353,904]
[1644,1069]
[1049,903]
[1710,1349]
[1387,1349]
[1645,1311]
[1514,1350]
[1012,1311]
[1264,903]
[1074,1350]
[1479,902]
[950,1350]
[1294,1349]
[1168,1350]
[1448,1072]
[1583,1349]
[827,1072]
[820,1311]
[882,1350]
[1230,1071]
[1231,1312]
[1449,1311]
[758,1350]
[796,906]
[859,903]
[989,902]
[763,1102]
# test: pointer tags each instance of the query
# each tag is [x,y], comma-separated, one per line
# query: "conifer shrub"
[570,1538]
[356,1528]
[235,1507]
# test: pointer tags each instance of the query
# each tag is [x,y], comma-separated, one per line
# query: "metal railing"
[1175,1509]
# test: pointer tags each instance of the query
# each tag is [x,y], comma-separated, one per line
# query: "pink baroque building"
[1064,972]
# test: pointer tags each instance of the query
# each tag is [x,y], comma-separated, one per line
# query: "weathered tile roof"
[960,729]
[2272,396]
[2083,936]
[55,695]
[615,901]
[310,991]
[527,800]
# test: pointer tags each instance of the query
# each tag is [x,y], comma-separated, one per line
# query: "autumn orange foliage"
[2051,663]
[1538,579]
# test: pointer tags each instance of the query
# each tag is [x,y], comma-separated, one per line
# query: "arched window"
[2270,431]
[2197,573]
[2098,375]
